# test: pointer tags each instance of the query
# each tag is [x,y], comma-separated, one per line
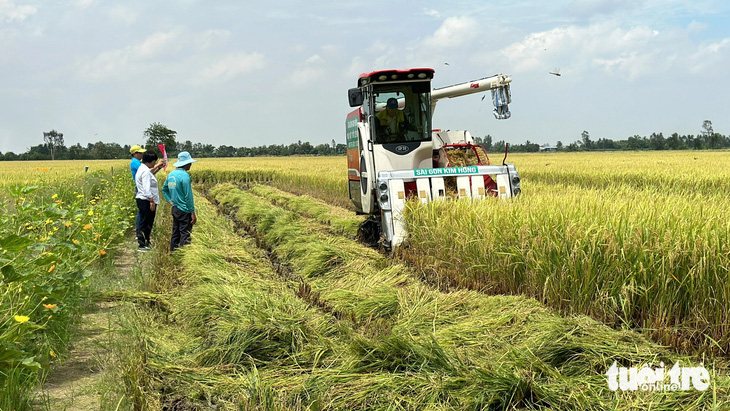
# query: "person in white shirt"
[148,197]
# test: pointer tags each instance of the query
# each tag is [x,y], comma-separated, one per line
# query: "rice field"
[606,258]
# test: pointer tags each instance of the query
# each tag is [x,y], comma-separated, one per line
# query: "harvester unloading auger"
[393,153]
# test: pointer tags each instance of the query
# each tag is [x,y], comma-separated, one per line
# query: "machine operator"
[391,123]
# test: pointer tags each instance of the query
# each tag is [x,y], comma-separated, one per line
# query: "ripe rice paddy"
[492,305]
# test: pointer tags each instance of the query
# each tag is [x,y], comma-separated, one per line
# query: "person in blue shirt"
[136,152]
[178,191]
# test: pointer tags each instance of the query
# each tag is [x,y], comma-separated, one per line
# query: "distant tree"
[657,141]
[157,134]
[674,142]
[697,142]
[634,143]
[586,140]
[707,128]
[225,151]
[559,146]
[322,149]
[712,139]
[186,146]
[573,147]
[498,146]
[77,152]
[39,152]
[54,140]
[487,142]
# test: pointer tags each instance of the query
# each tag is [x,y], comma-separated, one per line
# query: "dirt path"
[74,384]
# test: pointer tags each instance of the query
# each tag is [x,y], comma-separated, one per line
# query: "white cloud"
[304,76]
[130,60]
[314,59]
[232,66]
[158,43]
[212,38]
[633,52]
[588,8]
[431,13]
[11,12]
[454,31]
[711,57]
[83,4]
[123,14]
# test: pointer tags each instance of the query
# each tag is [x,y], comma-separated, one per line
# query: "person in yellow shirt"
[391,124]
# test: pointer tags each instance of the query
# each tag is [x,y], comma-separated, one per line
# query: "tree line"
[53,147]
[706,139]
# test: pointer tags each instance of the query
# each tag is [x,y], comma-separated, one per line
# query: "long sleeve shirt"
[178,189]
[147,185]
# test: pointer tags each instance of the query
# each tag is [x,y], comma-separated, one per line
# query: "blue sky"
[247,73]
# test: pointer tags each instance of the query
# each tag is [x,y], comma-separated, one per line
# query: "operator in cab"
[391,124]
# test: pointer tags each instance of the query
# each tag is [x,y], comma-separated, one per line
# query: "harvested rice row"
[340,220]
[237,337]
[546,360]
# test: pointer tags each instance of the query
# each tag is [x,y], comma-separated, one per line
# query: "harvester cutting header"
[393,152]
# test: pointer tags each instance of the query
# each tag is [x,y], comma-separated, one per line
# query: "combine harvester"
[393,153]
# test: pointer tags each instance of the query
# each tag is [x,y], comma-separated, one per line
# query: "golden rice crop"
[632,238]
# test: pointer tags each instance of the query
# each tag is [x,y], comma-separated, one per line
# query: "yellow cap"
[136,149]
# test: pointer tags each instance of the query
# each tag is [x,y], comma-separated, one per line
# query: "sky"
[251,73]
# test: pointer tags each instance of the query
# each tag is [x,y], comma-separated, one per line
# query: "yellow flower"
[50,306]
[69,224]
[55,196]
[87,227]
[44,169]
[52,268]
[76,241]
[59,202]
[80,196]
[102,252]
[53,354]
[49,221]
[91,212]
[21,318]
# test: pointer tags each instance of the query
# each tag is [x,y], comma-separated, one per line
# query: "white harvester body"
[388,164]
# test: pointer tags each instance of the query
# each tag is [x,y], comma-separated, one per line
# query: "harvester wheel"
[369,231]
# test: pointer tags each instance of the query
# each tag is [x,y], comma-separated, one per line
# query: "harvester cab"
[394,154]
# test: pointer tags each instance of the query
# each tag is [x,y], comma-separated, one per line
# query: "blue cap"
[392,103]
[183,159]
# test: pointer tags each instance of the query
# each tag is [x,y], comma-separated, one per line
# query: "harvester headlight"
[384,198]
[515,180]
[383,187]
[517,192]
[394,76]
[422,75]
[383,77]
[411,75]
